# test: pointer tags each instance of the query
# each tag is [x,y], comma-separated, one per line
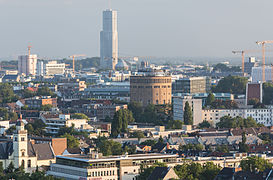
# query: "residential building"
[109,111]
[69,87]
[262,116]
[50,68]
[192,85]
[104,168]
[55,121]
[11,78]
[164,173]
[214,115]
[109,40]
[179,106]
[38,102]
[27,64]
[151,89]
[217,96]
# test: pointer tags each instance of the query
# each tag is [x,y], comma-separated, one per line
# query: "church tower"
[20,144]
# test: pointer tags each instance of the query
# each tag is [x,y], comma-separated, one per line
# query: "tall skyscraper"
[27,64]
[109,40]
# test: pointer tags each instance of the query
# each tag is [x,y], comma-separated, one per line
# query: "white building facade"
[257,74]
[27,64]
[179,106]
[262,116]
[50,68]
[109,40]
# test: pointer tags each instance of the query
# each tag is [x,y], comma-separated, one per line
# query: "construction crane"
[263,51]
[243,52]
[73,57]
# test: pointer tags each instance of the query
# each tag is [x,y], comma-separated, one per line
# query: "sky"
[161,28]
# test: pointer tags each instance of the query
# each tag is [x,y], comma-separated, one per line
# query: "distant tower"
[109,40]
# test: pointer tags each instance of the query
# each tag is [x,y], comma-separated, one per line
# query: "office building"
[105,168]
[151,89]
[257,74]
[109,40]
[192,85]
[27,64]
[179,106]
[50,68]
[250,64]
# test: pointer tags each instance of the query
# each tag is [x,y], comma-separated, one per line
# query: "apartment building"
[179,106]
[125,167]
[55,121]
[262,116]
[38,102]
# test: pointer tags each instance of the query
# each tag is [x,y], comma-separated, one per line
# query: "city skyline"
[185,29]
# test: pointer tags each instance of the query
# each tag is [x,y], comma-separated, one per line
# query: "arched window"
[29,163]
[23,163]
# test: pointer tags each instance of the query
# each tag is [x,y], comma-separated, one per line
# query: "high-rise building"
[149,89]
[109,40]
[257,74]
[192,85]
[250,64]
[27,64]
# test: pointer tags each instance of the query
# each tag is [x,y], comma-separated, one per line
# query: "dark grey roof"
[43,151]
[14,77]
[6,149]
[159,173]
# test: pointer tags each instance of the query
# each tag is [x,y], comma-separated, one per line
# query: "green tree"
[137,110]
[188,119]
[255,164]
[210,99]
[175,124]
[229,122]
[222,148]
[267,93]
[120,121]
[79,116]
[72,142]
[108,147]
[6,93]
[243,147]
[137,134]
[44,91]
[46,107]
[231,84]
[149,142]
[204,124]
[209,171]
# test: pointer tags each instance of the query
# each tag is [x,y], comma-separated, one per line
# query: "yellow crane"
[73,58]
[263,51]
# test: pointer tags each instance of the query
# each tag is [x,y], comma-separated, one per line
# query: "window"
[23,163]
[29,163]
[22,139]
[15,139]
[23,153]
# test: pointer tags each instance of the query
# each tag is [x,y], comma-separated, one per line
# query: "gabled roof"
[161,173]
[43,151]
[6,149]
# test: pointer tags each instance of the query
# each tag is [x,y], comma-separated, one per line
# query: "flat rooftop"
[87,158]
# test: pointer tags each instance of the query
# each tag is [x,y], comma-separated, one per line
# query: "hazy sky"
[193,28]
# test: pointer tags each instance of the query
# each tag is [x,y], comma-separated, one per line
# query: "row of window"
[150,86]
[101,173]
